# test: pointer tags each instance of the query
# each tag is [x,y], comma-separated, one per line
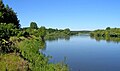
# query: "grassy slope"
[28,57]
[12,62]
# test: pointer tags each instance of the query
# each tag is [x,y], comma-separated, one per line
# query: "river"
[83,53]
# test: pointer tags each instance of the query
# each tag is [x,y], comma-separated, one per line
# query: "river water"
[82,53]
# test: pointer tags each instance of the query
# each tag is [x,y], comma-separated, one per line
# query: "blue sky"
[73,14]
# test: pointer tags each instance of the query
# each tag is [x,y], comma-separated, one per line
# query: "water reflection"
[52,38]
[85,54]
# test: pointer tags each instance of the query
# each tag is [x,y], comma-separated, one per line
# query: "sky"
[73,14]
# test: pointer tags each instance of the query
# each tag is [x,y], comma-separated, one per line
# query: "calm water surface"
[85,54]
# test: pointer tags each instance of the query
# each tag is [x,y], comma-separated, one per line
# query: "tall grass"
[29,50]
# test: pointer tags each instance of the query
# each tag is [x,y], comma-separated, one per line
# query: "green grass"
[12,62]
[27,57]
[29,50]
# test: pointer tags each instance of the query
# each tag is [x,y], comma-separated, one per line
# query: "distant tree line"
[108,32]
[44,32]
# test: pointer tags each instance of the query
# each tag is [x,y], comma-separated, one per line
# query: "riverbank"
[26,57]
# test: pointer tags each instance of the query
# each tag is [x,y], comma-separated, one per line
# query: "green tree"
[67,31]
[33,25]
[2,9]
[7,15]
[108,28]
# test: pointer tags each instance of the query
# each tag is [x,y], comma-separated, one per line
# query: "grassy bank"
[28,58]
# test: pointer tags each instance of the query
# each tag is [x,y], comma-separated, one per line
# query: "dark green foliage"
[7,15]
[33,25]
[108,28]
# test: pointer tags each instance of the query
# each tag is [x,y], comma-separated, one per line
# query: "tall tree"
[108,28]
[67,31]
[33,25]
[7,15]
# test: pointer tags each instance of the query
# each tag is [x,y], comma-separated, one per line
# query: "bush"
[7,30]
[23,33]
